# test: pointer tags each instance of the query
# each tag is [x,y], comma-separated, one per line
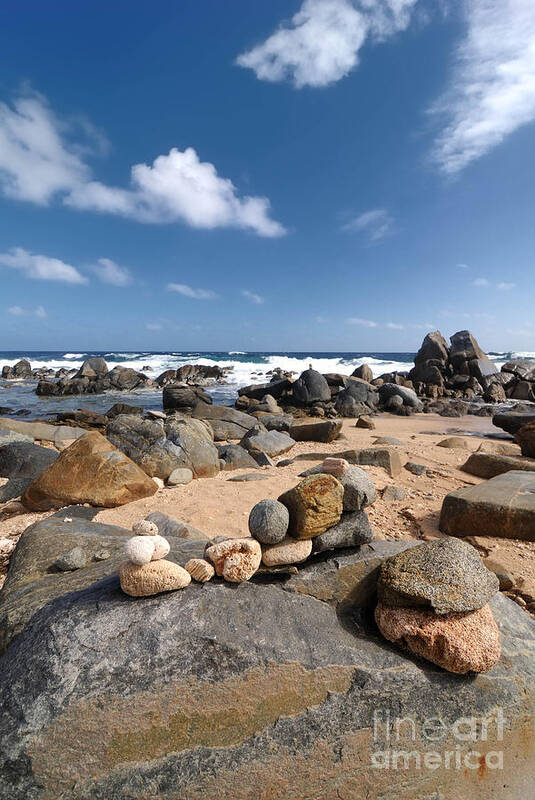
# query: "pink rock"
[289,551]
[334,466]
[459,642]
[236,560]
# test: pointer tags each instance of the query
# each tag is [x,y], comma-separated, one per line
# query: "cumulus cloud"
[254,298]
[189,291]
[492,88]
[39,267]
[39,163]
[321,43]
[18,311]
[376,224]
[365,323]
[110,272]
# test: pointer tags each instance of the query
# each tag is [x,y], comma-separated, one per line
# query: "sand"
[218,506]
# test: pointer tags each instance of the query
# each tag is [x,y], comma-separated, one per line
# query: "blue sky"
[317,175]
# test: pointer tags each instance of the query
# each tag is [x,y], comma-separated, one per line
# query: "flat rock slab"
[384,457]
[326,431]
[512,421]
[9,437]
[249,476]
[503,506]
[42,430]
[488,465]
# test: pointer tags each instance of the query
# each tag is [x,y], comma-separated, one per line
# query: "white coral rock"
[145,528]
[161,547]
[140,549]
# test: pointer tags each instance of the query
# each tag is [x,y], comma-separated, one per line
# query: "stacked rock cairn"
[433,601]
[324,511]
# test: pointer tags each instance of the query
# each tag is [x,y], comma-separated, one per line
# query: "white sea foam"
[73,355]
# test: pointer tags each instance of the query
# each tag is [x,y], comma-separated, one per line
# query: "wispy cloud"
[40,161]
[485,283]
[365,323]
[396,326]
[110,272]
[189,291]
[154,326]
[18,311]
[40,267]
[505,286]
[492,89]
[376,224]
[463,266]
[252,296]
[481,282]
[321,43]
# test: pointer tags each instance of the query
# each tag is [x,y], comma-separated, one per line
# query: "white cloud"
[18,311]
[463,266]
[376,223]
[189,291]
[505,286]
[365,323]
[480,282]
[38,163]
[110,272]
[153,326]
[41,267]
[395,326]
[254,298]
[492,90]
[321,42]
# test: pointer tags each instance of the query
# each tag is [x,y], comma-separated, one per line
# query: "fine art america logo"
[392,738]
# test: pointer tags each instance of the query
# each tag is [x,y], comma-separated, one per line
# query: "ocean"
[247,368]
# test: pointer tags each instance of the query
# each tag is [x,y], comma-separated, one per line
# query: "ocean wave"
[73,355]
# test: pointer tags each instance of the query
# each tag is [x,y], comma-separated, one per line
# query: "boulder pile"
[433,600]
[93,377]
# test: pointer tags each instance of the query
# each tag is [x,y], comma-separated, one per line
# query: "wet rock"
[269,521]
[287,551]
[315,504]
[444,575]
[73,559]
[503,506]
[144,580]
[353,530]
[459,643]
[512,421]
[90,471]
[236,560]
[359,490]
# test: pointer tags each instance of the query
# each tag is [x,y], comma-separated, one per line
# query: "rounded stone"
[445,575]
[180,476]
[458,642]
[359,490]
[74,559]
[315,504]
[334,466]
[140,549]
[145,528]
[161,547]
[143,580]
[289,551]
[200,570]
[268,521]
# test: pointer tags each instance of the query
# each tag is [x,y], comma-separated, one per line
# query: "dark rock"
[76,558]
[182,398]
[316,431]
[359,490]
[22,370]
[415,469]
[310,388]
[512,421]
[434,347]
[520,368]
[123,408]
[25,460]
[268,521]
[277,422]
[364,372]
[126,379]
[275,388]
[273,443]
[526,439]
[92,368]
[522,391]
[353,530]
[445,575]
[236,457]
[503,506]
[13,489]
[464,347]
[199,374]
[388,390]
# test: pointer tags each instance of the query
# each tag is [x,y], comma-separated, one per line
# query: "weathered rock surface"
[488,465]
[408,396]
[526,439]
[459,643]
[512,421]
[292,683]
[42,430]
[9,437]
[226,422]
[169,527]
[236,560]
[359,490]
[144,580]
[272,443]
[444,575]
[353,530]
[159,447]
[311,387]
[503,506]
[24,462]
[180,476]
[287,551]
[385,457]
[90,471]
[235,456]
[183,398]
[269,521]
[315,504]
[316,431]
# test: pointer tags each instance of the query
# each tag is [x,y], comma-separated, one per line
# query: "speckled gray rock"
[169,526]
[268,521]
[273,443]
[415,469]
[359,490]
[25,459]
[294,684]
[235,457]
[180,476]
[9,437]
[73,559]
[445,575]
[353,530]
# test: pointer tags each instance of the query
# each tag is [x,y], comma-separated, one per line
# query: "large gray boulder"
[93,368]
[358,397]
[272,443]
[183,398]
[258,390]
[252,691]
[311,387]
[235,456]
[409,397]
[25,460]
[225,421]
[159,446]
